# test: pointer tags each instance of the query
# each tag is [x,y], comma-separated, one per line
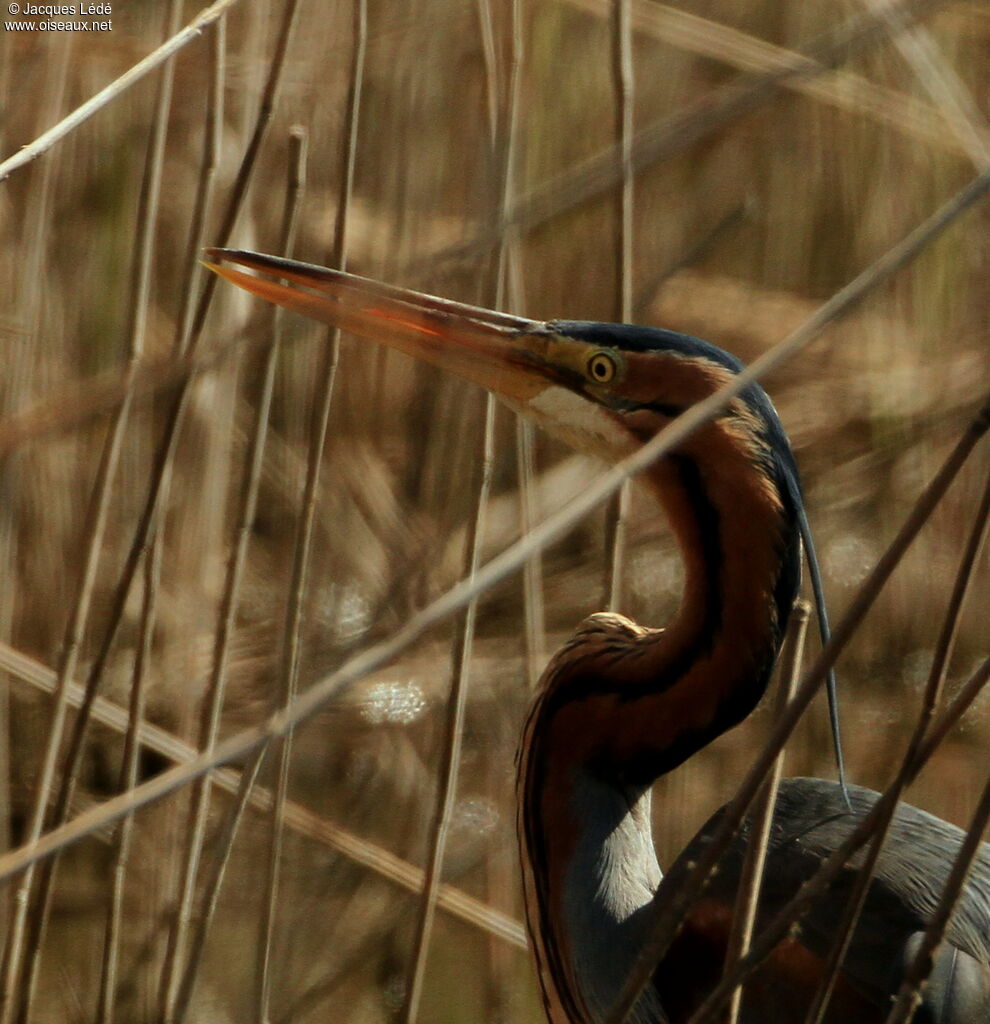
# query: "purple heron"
[621,704]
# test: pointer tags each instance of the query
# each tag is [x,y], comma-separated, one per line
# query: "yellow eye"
[601,367]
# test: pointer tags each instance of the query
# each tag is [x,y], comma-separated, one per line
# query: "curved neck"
[621,705]
[739,538]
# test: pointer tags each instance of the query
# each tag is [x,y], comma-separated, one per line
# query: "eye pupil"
[601,368]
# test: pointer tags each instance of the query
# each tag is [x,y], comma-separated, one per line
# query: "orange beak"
[477,344]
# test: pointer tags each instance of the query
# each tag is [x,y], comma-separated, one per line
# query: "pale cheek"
[579,423]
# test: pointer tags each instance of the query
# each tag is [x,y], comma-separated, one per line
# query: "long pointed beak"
[477,344]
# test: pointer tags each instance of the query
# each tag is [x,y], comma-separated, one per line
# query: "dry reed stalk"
[319,427]
[534,612]
[223,846]
[504,136]
[124,837]
[931,697]
[695,121]
[624,83]
[489,57]
[949,94]
[299,819]
[623,79]
[174,991]
[508,290]
[506,286]
[214,878]
[245,171]
[133,75]
[838,88]
[140,293]
[450,754]
[761,818]
[512,559]
[205,184]
[17,941]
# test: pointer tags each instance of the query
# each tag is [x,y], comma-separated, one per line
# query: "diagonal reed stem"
[295,190]
[457,598]
[303,547]
[36,242]
[933,692]
[300,820]
[751,878]
[132,76]
[623,80]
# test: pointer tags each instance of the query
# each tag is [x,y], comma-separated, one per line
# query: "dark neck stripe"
[706,517]
[667,409]
[742,699]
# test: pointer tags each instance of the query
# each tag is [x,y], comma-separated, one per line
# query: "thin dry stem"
[450,755]
[303,547]
[299,819]
[213,884]
[751,878]
[837,87]
[105,96]
[668,136]
[141,276]
[212,148]
[249,163]
[295,190]
[932,695]
[948,92]
[509,289]
[534,612]
[128,779]
[37,230]
[617,510]
[624,85]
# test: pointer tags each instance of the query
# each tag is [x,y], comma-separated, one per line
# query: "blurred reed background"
[471,148]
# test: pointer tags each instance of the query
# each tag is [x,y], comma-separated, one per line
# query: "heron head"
[604,389]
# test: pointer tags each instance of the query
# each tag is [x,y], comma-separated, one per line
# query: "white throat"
[577,422]
[606,928]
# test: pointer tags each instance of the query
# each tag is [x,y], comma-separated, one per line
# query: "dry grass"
[726,189]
